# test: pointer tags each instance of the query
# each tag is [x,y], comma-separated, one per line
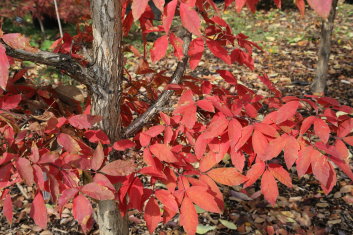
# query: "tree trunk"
[319,84]
[108,64]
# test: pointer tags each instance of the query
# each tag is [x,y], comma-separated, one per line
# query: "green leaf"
[202,229]
[199,210]
[228,224]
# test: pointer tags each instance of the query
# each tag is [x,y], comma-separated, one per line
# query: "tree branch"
[59,61]
[139,122]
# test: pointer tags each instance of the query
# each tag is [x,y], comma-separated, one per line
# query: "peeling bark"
[108,67]
[319,84]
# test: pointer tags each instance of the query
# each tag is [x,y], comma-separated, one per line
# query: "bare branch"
[59,61]
[139,122]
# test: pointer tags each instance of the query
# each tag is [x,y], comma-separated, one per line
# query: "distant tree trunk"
[108,61]
[319,84]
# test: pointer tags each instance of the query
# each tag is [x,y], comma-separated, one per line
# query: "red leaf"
[246,132]
[291,150]
[218,50]
[144,139]
[83,121]
[200,146]
[345,128]
[97,191]
[208,161]
[136,194]
[202,198]
[5,172]
[228,76]
[159,48]
[168,134]
[138,7]
[344,166]
[278,3]
[280,174]
[188,216]
[251,110]
[104,181]
[206,105]
[82,210]
[269,187]
[159,4]
[234,131]
[66,196]
[38,177]
[48,157]
[348,140]
[25,170]
[306,124]
[190,19]
[254,173]
[216,127]
[8,208]
[39,211]
[68,143]
[96,136]
[214,189]
[155,130]
[219,147]
[239,4]
[4,68]
[251,4]
[18,41]
[168,15]
[152,215]
[332,180]
[266,129]
[304,159]
[259,143]
[321,7]
[10,101]
[195,52]
[286,111]
[227,176]
[167,199]
[163,152]
[321,169]
[122,145]
[97,158]
[273,148]
[119,168]
[152,171]
[238,160]
[165,118]
[34,156]
[322,130]
[177,44]
[301,6]
[189,116]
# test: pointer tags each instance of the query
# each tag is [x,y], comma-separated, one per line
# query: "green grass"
[43,42]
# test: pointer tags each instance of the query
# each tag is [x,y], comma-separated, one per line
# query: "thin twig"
[58,18]
[22,190]
[162,100]
[60,61]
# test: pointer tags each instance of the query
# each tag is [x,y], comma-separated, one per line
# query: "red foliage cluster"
[261,138]
[70,10]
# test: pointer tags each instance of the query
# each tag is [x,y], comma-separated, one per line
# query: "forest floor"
[289,58]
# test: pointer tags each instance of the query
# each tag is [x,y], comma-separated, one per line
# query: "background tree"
[182,150]
[319,83]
